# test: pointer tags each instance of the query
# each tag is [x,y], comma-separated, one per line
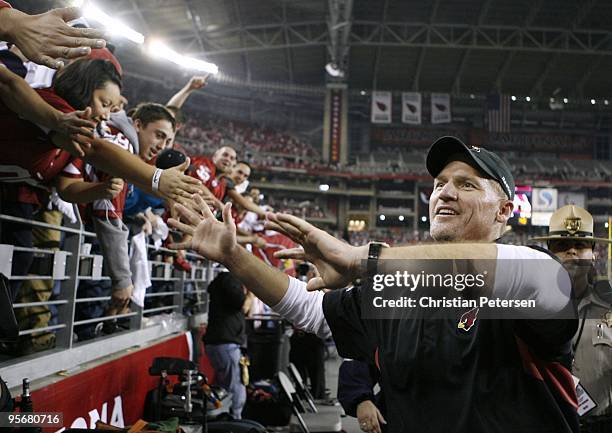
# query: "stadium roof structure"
[538,48]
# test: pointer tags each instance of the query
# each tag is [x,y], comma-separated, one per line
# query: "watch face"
[374,250]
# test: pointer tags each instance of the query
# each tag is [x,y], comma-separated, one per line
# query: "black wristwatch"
[373,255]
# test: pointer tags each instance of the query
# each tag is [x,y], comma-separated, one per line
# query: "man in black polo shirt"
[225,335]
[456,373]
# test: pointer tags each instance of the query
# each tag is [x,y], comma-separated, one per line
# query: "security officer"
[570,238]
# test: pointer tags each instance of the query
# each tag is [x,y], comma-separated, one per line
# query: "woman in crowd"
[32,157]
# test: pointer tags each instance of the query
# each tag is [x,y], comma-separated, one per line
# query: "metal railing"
[173,291]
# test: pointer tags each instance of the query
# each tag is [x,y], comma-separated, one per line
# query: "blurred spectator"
[225,335]
[250,139]
[308,350]
[302,209]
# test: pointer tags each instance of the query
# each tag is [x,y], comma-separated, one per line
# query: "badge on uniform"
[585,402]
[607,319]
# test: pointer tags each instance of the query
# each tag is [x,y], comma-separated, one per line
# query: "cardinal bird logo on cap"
[467,319]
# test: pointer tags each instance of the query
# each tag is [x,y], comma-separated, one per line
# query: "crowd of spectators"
[392,236]
[265,147]
[540,168]
[302,209]
[246,138]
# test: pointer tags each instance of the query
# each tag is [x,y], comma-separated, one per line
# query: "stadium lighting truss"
[368,33]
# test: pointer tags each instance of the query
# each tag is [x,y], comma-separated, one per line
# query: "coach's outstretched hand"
[211,238]
[46,38]
[338,262]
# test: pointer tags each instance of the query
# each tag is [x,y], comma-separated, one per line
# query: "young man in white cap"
[571,239]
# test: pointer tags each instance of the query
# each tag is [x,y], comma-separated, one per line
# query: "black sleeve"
[549,338]
[355,385]
[353,337]
[229,183]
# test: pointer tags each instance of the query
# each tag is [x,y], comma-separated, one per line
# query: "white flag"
[440,108]
[381,107]
[411,108]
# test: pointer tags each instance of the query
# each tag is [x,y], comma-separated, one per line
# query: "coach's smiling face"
[466,206]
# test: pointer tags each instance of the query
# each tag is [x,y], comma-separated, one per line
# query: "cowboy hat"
[571,223]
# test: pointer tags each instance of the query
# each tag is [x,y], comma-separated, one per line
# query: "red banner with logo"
[335,126]
[113,392]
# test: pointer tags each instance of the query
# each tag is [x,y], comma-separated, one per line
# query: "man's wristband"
[373,255]
[156,178]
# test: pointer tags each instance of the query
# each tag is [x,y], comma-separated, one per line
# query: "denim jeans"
[225,359]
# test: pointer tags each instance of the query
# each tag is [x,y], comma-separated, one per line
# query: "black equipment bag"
[9,331]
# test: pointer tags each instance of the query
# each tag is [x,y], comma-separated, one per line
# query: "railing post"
[179,286]
[136,320]
[68,287]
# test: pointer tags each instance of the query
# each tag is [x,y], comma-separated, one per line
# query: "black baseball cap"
[169,158]
[444,148]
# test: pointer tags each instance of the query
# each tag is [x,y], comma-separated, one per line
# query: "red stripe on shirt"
[553,373]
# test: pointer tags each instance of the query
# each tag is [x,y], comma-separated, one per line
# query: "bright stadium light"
[513,98]
[382,217]
[528,98]
[113,26]
[401,217]
[606,102]
[324,187]
[593,101]
[424,219]
[334,71]
[157,48]
[565,100]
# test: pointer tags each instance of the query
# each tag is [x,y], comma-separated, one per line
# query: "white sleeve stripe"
[71,169]
[303,309]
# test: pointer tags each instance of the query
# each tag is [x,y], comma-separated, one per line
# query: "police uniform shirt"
[593,357]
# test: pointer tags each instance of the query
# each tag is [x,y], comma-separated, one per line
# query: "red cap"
[105,54]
